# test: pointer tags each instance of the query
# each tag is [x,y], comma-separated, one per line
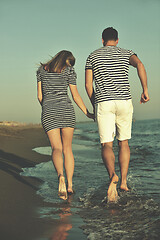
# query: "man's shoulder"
[105,49]
[125,51]
[96,52]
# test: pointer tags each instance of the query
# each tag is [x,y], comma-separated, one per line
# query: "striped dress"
[110,66]
[57,108]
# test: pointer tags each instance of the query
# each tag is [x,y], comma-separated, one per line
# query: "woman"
[58,116]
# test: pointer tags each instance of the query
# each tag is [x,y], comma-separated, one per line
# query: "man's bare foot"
[62,192]
[124,187]
[112,194]
[70,190]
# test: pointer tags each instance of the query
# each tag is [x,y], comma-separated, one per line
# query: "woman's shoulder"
[40,68]
[43,71]
[69,70]
[70,74]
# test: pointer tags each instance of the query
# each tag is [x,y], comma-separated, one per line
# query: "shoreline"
[20,206]
[19,202]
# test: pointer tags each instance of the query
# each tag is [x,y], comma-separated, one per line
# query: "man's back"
[110,65]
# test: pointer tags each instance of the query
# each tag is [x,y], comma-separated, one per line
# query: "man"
[109,67]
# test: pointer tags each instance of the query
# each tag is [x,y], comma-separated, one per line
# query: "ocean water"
[87,215]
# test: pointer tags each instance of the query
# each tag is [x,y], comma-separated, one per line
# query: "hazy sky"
[34,30]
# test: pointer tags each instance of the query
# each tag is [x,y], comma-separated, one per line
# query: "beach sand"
[19,217]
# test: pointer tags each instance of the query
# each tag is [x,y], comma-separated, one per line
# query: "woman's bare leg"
[67,135]
[56,145]
[57,157]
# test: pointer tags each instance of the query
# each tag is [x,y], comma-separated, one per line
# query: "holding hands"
[90,115]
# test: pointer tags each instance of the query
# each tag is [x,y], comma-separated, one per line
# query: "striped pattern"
[57,108]
[110,65]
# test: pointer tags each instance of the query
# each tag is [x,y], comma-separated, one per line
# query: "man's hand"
[144,97]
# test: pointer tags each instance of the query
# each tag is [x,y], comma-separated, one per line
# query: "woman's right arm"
[78,100]
[39,92]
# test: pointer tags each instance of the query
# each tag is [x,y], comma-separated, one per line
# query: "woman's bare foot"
[62,192]
[112,193]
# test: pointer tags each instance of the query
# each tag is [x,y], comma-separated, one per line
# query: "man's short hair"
[109,34]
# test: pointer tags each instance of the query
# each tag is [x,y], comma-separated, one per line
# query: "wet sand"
[19,203]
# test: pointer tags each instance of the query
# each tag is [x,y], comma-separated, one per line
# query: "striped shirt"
[54,85]
[57,108]
[110,66]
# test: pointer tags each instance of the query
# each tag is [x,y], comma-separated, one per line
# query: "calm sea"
[87,214]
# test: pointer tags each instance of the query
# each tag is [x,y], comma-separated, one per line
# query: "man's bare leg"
[124,158]
[109,161]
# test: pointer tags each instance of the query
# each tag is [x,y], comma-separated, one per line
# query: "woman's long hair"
[59,62]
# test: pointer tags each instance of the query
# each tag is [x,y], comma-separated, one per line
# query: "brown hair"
[60,61]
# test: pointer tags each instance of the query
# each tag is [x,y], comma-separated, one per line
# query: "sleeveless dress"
[57,108]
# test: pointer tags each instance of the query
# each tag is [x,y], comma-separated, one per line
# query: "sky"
[33,31]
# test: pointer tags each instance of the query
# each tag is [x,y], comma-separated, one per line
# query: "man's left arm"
[135,62]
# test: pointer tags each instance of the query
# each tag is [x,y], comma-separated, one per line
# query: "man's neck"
[111,43]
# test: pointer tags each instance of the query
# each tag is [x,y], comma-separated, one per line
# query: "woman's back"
[54,85]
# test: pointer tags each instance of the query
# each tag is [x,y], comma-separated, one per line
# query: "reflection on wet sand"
[64,222]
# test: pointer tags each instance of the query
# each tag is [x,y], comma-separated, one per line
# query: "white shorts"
[114,119]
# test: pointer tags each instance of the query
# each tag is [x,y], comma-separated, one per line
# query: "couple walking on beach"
[108,66]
